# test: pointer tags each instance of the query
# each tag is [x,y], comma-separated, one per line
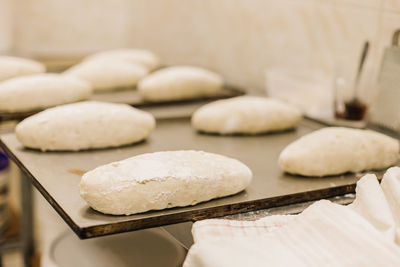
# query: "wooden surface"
[57,176]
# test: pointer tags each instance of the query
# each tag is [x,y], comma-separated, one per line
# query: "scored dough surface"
[162,180]
[337,150]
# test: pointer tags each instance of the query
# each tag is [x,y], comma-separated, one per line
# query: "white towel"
[391,187]
[325,234]
[371,203]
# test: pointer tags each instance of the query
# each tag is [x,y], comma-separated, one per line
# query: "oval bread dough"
[108,74]
[11,67]
[162,180]
[145,58]
[85,125]
[336,150]
[40,91]
[245,115]
[179,83]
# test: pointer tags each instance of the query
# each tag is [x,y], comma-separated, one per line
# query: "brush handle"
[360,67]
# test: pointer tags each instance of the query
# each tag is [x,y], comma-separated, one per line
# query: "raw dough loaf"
[162,180]
[336,150]
[108,74]
[179,83]
[245,115]
[85,125]
[40,91]
[143,57]
[11,67]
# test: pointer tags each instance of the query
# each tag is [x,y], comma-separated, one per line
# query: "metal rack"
[24,241]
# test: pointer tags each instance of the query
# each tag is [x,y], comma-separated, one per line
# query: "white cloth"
[371,203]
[325,234]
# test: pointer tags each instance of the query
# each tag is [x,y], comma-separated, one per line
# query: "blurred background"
[239,39]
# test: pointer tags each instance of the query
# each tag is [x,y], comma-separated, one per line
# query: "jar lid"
[4,161]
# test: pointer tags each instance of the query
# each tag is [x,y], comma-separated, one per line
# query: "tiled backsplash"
[242,38]
[6,25]
[68,28]
[239,38]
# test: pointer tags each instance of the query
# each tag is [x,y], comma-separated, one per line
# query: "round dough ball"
[39,91]
[179,83]
[145,58]
[11,67]
[245,115]
[336,150]
[85,125]
[108,74]
[162,180]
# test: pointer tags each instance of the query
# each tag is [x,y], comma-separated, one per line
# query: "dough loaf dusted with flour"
[145,58]
[162,180]
[85,125]
[336,150]
[41,91]
[245,115]
[11,67]
[179,83]
[108,74]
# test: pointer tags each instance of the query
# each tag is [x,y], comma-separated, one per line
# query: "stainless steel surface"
[182,232]
[386,112]
[120,96]
[161,110]
[57,176]
[132,97]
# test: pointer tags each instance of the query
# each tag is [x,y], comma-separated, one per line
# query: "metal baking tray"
[57,175]
[131,97]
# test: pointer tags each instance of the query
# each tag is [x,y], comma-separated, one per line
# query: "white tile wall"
[239,38]
[355,3]
[60,28]
[6,26]
[340,33]
[392,5]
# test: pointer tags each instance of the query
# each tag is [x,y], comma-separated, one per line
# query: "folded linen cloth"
[325,234]
[391,187]
[371,203]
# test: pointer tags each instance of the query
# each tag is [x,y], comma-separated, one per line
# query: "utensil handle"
[360,67]
[395,38]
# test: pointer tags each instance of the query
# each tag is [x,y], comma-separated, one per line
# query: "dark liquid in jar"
[354,110]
